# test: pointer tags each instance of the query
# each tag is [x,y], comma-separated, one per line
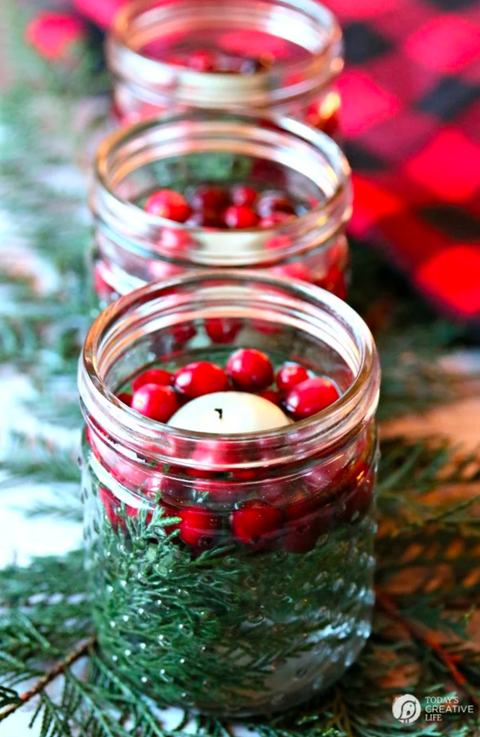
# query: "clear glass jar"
[278,55]
[230,624]
[133,247]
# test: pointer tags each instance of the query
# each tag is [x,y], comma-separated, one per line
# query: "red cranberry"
[289,376]
[274,219]
[183,334]
[244,196]
[203,61]
[112,507]
[255,521]
[156,402]
[135,476]
[126,398]
[310,397]
[198,527]
[272,396]
[205,219]
[200,377]
[271,202]
[250,369]
[222,329]
[210,198]
[240,217]
[306,524]
[152,376]
[168,204]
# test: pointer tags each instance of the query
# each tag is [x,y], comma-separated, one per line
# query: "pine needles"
[428,582]
[420,631]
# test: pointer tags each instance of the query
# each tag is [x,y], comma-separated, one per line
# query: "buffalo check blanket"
[411,122]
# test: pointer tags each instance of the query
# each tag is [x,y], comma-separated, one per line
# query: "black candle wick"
[220,413]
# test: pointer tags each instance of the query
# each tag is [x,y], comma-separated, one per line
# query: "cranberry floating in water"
[272,396]
[205,219]
[250,369]
[155,401]
[210,198]
[290,375]
[168,204]
[240,217]
[152,376]
[222,329]
[310,397]
[244,196]
[126,398]
[200,377]
[203,61]
[306,523]
[255,521]
[198,527]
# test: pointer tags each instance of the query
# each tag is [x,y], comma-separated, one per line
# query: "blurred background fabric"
[411,126]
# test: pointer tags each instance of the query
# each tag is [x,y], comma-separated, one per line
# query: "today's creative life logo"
[406,708]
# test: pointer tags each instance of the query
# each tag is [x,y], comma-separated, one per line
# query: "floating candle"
[226,413]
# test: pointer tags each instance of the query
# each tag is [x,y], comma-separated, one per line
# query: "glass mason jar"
[276,55]
[187,605]
[184,151]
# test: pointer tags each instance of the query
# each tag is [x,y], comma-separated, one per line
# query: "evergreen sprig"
[427,546]
[420,631]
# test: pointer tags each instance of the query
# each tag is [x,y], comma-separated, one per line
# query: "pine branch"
[419,633]
[79,651]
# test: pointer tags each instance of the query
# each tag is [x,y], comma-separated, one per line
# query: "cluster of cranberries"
[158,394]
[217,62]
[260,524]
[214,206]
[277,519]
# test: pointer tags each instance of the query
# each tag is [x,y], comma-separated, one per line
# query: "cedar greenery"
[428,540]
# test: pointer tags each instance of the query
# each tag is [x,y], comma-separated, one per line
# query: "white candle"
[225,413]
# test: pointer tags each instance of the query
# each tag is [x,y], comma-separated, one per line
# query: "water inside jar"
[224,51]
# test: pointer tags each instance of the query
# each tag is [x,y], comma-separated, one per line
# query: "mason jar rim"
[308,151]
[306,20]
[304,304]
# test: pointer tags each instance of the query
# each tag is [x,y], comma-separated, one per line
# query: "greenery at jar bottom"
[228,631]
[427,579]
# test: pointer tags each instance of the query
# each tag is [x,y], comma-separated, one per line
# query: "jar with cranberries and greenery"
[209,189]
[229,465]
[281,56]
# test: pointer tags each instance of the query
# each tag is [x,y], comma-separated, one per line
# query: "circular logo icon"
[406,708]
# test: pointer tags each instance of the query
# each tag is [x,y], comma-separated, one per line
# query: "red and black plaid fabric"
[411,95]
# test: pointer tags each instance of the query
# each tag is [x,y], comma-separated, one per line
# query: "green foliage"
[427,537]
[49,616]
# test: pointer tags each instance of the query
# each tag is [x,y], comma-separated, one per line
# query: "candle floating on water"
[226,413]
